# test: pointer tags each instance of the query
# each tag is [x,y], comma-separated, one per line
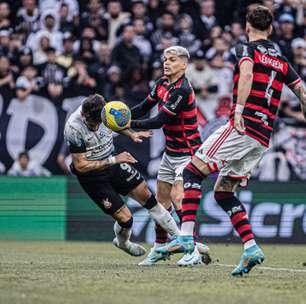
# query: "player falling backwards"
[236,148]
[104,175]
[178,118]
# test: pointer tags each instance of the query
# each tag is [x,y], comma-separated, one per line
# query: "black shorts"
[105,187]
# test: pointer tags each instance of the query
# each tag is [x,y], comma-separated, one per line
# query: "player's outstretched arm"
[244,89]
[136,136]
[155,122]
[300,91]
[83,165]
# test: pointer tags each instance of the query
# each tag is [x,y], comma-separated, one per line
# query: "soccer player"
[236,148]
[178,118]
[104,175]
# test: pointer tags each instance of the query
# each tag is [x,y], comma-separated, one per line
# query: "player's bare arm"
[137,137]
[244,89]
[300,91]
[83,165]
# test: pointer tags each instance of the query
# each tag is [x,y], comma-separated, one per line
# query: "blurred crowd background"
[59,49]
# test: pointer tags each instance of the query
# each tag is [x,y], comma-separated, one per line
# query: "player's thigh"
[163,193]
[226,184]
[103,194]
[125,178]
[140,193]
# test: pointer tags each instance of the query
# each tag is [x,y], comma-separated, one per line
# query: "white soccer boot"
[153,257]
[204,252]
[191,259]
[131,248]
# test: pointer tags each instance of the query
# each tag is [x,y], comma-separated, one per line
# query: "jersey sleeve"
[74,140]
[175,102]
[292,78]
[244,52]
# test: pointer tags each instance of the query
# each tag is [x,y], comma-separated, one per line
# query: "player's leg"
[157,211]
[224,196]
[104,195]
[201,251]
[193,175]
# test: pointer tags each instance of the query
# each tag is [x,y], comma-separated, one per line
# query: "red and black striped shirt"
[270,71]
[177,101]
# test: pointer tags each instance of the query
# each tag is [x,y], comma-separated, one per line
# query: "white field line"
[265,268]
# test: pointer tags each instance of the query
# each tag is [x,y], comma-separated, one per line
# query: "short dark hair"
[92,107]
[260,17]
[23,153]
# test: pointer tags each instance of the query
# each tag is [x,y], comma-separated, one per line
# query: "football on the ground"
[116,115]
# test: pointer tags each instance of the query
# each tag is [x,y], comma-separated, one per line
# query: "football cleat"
[131,248]
[204,252]
[250,258]
[181,244]
[191,259]
[153,257]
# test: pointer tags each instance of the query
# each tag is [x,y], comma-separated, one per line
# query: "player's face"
[173,64]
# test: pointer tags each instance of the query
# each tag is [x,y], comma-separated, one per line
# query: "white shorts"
[230,153]
[171,168]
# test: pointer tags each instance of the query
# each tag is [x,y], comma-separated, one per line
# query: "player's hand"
[239,123]
[139,136]
[125,157]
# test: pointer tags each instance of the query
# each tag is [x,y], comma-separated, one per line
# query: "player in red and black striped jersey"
[236,148]
[178,118]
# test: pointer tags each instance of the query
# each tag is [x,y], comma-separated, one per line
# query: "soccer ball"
[116,115]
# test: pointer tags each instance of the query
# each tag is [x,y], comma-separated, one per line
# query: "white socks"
[122,234]
[187,228]
[249,244]
[164,219]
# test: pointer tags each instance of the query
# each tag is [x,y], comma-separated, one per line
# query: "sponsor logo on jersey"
[106,203]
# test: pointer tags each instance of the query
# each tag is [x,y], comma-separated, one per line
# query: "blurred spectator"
[48,30]
[141,41]
[4,42]
[94,18]
[115,17]
[139,12]
[154,9]
[24,88]
[66,24]
[286,35]
[165,27]
[30,72]
[299,56]
[207,19]
[186,38]
[54,7]
[201,76]
[28,17]
[173,7]
[113,89]
[23,166]
[25,58]
[4,15]
[126,53]
[81,82]
[7,81]
[66,57]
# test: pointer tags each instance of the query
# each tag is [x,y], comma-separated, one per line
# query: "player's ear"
[270,30]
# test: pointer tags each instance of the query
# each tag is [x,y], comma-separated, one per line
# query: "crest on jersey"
[106,203]
[261,49]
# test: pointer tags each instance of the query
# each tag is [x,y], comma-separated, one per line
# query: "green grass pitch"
[75,272]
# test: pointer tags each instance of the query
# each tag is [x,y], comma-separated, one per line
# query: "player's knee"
[177,198]
[191,176]
[150,202]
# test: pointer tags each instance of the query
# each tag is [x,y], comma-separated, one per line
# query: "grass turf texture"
[73,272]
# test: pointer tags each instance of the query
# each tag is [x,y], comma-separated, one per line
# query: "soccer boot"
[131,248]
[204,252]
[191,259]
[248,260]
[181,244]
[153,257]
